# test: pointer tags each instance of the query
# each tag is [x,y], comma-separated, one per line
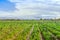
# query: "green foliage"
[20,29]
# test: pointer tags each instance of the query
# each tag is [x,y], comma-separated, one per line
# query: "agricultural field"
[30,30]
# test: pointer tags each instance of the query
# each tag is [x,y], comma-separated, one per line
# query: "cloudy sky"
[29,9]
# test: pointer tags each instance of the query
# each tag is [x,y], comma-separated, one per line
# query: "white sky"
[33,8]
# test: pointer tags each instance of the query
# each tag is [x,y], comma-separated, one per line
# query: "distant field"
[30,30]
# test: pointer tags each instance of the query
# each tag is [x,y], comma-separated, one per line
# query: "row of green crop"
[21,30]
[52,28]
[23,35]
[46,34]
[36,33]
[8,30]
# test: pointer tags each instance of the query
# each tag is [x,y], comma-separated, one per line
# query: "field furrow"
[30,30]
[28,36]
[41,35]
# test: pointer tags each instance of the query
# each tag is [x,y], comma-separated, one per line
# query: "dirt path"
[28,36]
[53,36]
[41,36]
[16,34]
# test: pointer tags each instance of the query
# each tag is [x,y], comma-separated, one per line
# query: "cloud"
[35,7]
